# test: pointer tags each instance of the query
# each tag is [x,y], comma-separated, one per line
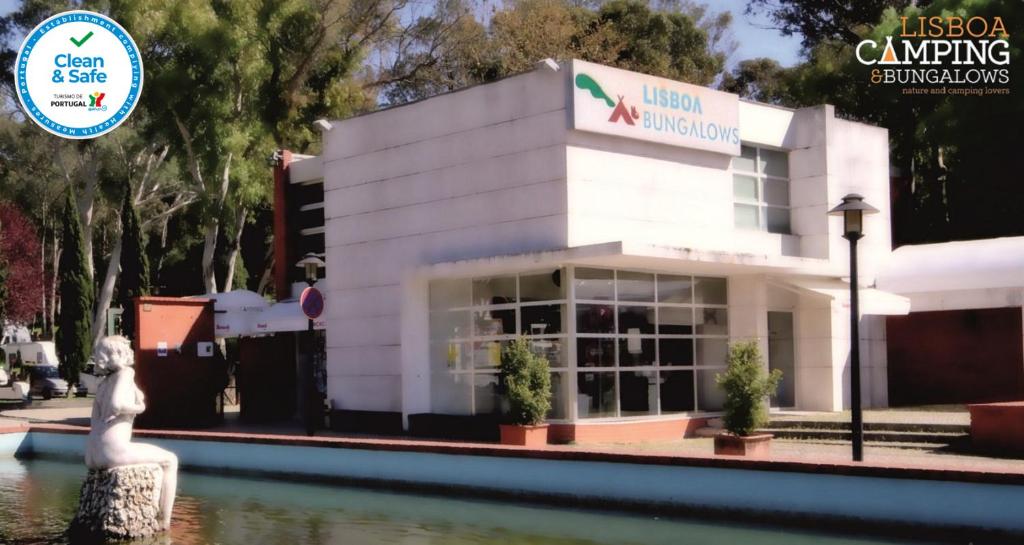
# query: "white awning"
[284,316]
[236,300]
[871,300]
[234,311]
[955,266]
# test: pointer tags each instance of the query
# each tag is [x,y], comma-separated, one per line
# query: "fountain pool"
[38,499]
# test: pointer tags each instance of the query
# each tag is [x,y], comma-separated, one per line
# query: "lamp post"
[311,264]
[853,209]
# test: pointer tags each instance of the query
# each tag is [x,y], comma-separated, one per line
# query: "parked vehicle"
[30,353]
[44,381]
[12,390]
[88,381]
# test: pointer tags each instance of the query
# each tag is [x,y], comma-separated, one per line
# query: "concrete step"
[869,426]
[901,445]
[874,436]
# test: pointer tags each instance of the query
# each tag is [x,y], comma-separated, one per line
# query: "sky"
[751,38]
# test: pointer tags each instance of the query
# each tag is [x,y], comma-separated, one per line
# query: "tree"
[954,155]
[761,79]
[74,335]
[747,388]
[134,263]
[818,21]
[21,263]
[675,40]
[4,273]
[526,382]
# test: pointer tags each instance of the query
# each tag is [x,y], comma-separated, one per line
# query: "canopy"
[284,316]
[969,264]
[872,301]
[234,311]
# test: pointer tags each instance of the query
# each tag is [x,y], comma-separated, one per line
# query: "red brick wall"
[956,356]
[625,431]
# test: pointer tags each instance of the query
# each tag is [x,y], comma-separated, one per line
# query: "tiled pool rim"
[912,501]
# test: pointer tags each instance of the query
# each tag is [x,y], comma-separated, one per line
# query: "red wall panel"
[955,356]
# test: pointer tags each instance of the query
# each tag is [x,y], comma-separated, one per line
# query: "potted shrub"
[747,388]
[526,381]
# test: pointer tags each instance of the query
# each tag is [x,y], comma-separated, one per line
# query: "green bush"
[747,388]
[526,379]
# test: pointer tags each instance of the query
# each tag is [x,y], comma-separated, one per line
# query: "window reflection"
[596,395]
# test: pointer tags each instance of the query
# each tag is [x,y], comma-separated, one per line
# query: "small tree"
[74,336]
[134,263]
[747,387]
[527,381]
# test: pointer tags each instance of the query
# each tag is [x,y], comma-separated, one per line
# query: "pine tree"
[134,263]
[74,335]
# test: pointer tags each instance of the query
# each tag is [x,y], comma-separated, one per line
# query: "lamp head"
[853,209]
[311,264]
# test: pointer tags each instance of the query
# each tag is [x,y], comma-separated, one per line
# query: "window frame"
[568,369]
[760,203]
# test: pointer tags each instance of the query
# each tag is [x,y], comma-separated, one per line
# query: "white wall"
[621,190]
[474,173]
[656,194]
[858,162]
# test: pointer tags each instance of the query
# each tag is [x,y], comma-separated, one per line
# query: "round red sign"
[312,303]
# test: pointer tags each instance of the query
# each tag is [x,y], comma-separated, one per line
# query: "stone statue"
[109,449]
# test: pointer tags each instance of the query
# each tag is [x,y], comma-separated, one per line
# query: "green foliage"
[134,263]
[677,40]
[817,21]
[747,388]
[952,153]
[526,378]
[74,335]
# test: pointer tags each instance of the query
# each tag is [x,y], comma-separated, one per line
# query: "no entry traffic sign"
[312,303]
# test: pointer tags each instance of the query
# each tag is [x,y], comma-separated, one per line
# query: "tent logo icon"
[619,110]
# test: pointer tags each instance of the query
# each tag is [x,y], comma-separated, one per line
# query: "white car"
[11,390]
[88,381]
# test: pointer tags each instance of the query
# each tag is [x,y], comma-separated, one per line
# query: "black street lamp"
[311,264]
[853,209]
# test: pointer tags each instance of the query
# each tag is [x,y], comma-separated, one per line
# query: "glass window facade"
[620,343]
[473,320]
[760,187]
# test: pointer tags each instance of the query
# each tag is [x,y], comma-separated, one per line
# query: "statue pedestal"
[121,502]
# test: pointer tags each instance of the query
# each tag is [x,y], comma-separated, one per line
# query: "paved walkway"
[75,412]
[936,414]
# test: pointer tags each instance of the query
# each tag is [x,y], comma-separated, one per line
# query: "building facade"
[630,226]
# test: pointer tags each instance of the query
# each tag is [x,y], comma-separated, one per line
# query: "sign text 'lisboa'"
[78,74]
[618,102]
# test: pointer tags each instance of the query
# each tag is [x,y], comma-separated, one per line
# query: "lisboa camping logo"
[78,74]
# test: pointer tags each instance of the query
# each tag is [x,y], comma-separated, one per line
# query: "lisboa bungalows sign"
[621,103]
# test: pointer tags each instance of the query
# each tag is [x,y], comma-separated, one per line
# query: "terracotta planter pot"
[524,436]
[753,446]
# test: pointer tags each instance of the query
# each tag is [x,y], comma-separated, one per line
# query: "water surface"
[38,500]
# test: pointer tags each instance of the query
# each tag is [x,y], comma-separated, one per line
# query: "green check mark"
[82,40]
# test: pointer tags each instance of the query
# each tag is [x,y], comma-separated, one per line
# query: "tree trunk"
[99,322]
[53,282]
[86,205]
[42,269]
[156,274]
[236,244]
[213,229]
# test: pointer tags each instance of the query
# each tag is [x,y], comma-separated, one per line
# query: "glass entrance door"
[781,356]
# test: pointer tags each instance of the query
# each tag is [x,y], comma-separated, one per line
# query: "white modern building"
[629,225]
